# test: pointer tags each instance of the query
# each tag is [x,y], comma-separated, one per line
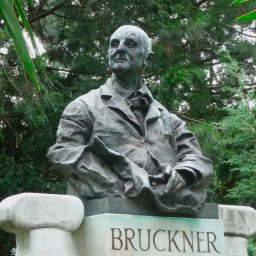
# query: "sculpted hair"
[147,45]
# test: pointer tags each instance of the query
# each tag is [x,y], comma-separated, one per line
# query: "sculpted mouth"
[121,60]
[121,57]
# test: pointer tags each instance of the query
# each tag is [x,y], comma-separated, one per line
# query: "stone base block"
[42,242]
[235,246]
[239,221]
[239,225]
[131,235]
[48,225]
[41,222]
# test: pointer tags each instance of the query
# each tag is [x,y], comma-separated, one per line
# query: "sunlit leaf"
[29,30]
[15,32]
[238,2]
[248,16]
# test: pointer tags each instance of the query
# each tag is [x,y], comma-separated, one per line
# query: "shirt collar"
[144,90]
[108,91]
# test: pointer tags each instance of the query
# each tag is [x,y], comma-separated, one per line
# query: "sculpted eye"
[114,43]
[131,43]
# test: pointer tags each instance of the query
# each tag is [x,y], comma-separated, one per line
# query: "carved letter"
[211,242]
[198,241]
[154,240]
[141,239]
[190,243]
[173,240]
[116,238]
[129,238]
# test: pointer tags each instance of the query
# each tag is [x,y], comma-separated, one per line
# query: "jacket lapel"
[120,105]
[117,104]
[153,113]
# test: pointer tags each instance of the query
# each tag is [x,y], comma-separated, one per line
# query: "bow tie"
[139,100]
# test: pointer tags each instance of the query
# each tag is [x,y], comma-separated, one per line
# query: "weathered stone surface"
[49,225]
[239,225]
[131,235]
[238,220]
[235,246]
[41,222]
[42,242]
[31,211]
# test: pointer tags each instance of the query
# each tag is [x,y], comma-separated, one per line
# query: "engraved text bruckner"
[163,240]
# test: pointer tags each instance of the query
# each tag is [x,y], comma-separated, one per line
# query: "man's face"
[127,50]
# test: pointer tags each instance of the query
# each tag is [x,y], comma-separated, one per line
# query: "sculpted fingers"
[181,184]
[167,172]
[175,183]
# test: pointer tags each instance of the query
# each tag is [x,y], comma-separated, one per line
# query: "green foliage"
[15,32]
[248,16]
[252,246]
[237,157]
[236,148]
[239,1]
[179,90]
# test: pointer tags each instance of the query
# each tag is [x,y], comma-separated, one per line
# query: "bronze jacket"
[103,151]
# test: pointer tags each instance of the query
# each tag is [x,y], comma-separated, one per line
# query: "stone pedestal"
[41,222]
[239,225]
[51,225]
[131,235]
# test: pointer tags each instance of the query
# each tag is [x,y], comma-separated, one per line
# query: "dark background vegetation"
[203,70]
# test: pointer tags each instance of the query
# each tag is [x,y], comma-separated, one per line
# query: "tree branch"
[46,13]
[196,121]
[239,32]
[188,118]
[39,7]
[69,71]
[4,117]
[71,18]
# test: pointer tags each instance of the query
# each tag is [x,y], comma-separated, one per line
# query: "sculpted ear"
[149,59]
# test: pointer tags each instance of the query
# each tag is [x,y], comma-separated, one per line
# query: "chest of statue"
[117,127]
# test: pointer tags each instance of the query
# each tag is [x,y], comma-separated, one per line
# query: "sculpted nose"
[121,48]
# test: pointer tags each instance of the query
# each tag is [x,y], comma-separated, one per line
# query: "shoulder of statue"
[166,113]
[160,107]
[83,104]
[89,96]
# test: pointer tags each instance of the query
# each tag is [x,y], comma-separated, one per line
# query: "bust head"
[129,50]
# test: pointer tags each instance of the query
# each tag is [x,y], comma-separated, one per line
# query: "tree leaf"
[247,16]
[30,33]
[238,2]
[15,32]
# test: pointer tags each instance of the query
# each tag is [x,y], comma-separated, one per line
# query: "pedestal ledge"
[30,211]
[239,221]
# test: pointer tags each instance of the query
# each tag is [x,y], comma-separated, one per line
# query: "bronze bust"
[117,141]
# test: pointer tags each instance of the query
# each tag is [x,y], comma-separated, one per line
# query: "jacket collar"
[107,91]
[115,101]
